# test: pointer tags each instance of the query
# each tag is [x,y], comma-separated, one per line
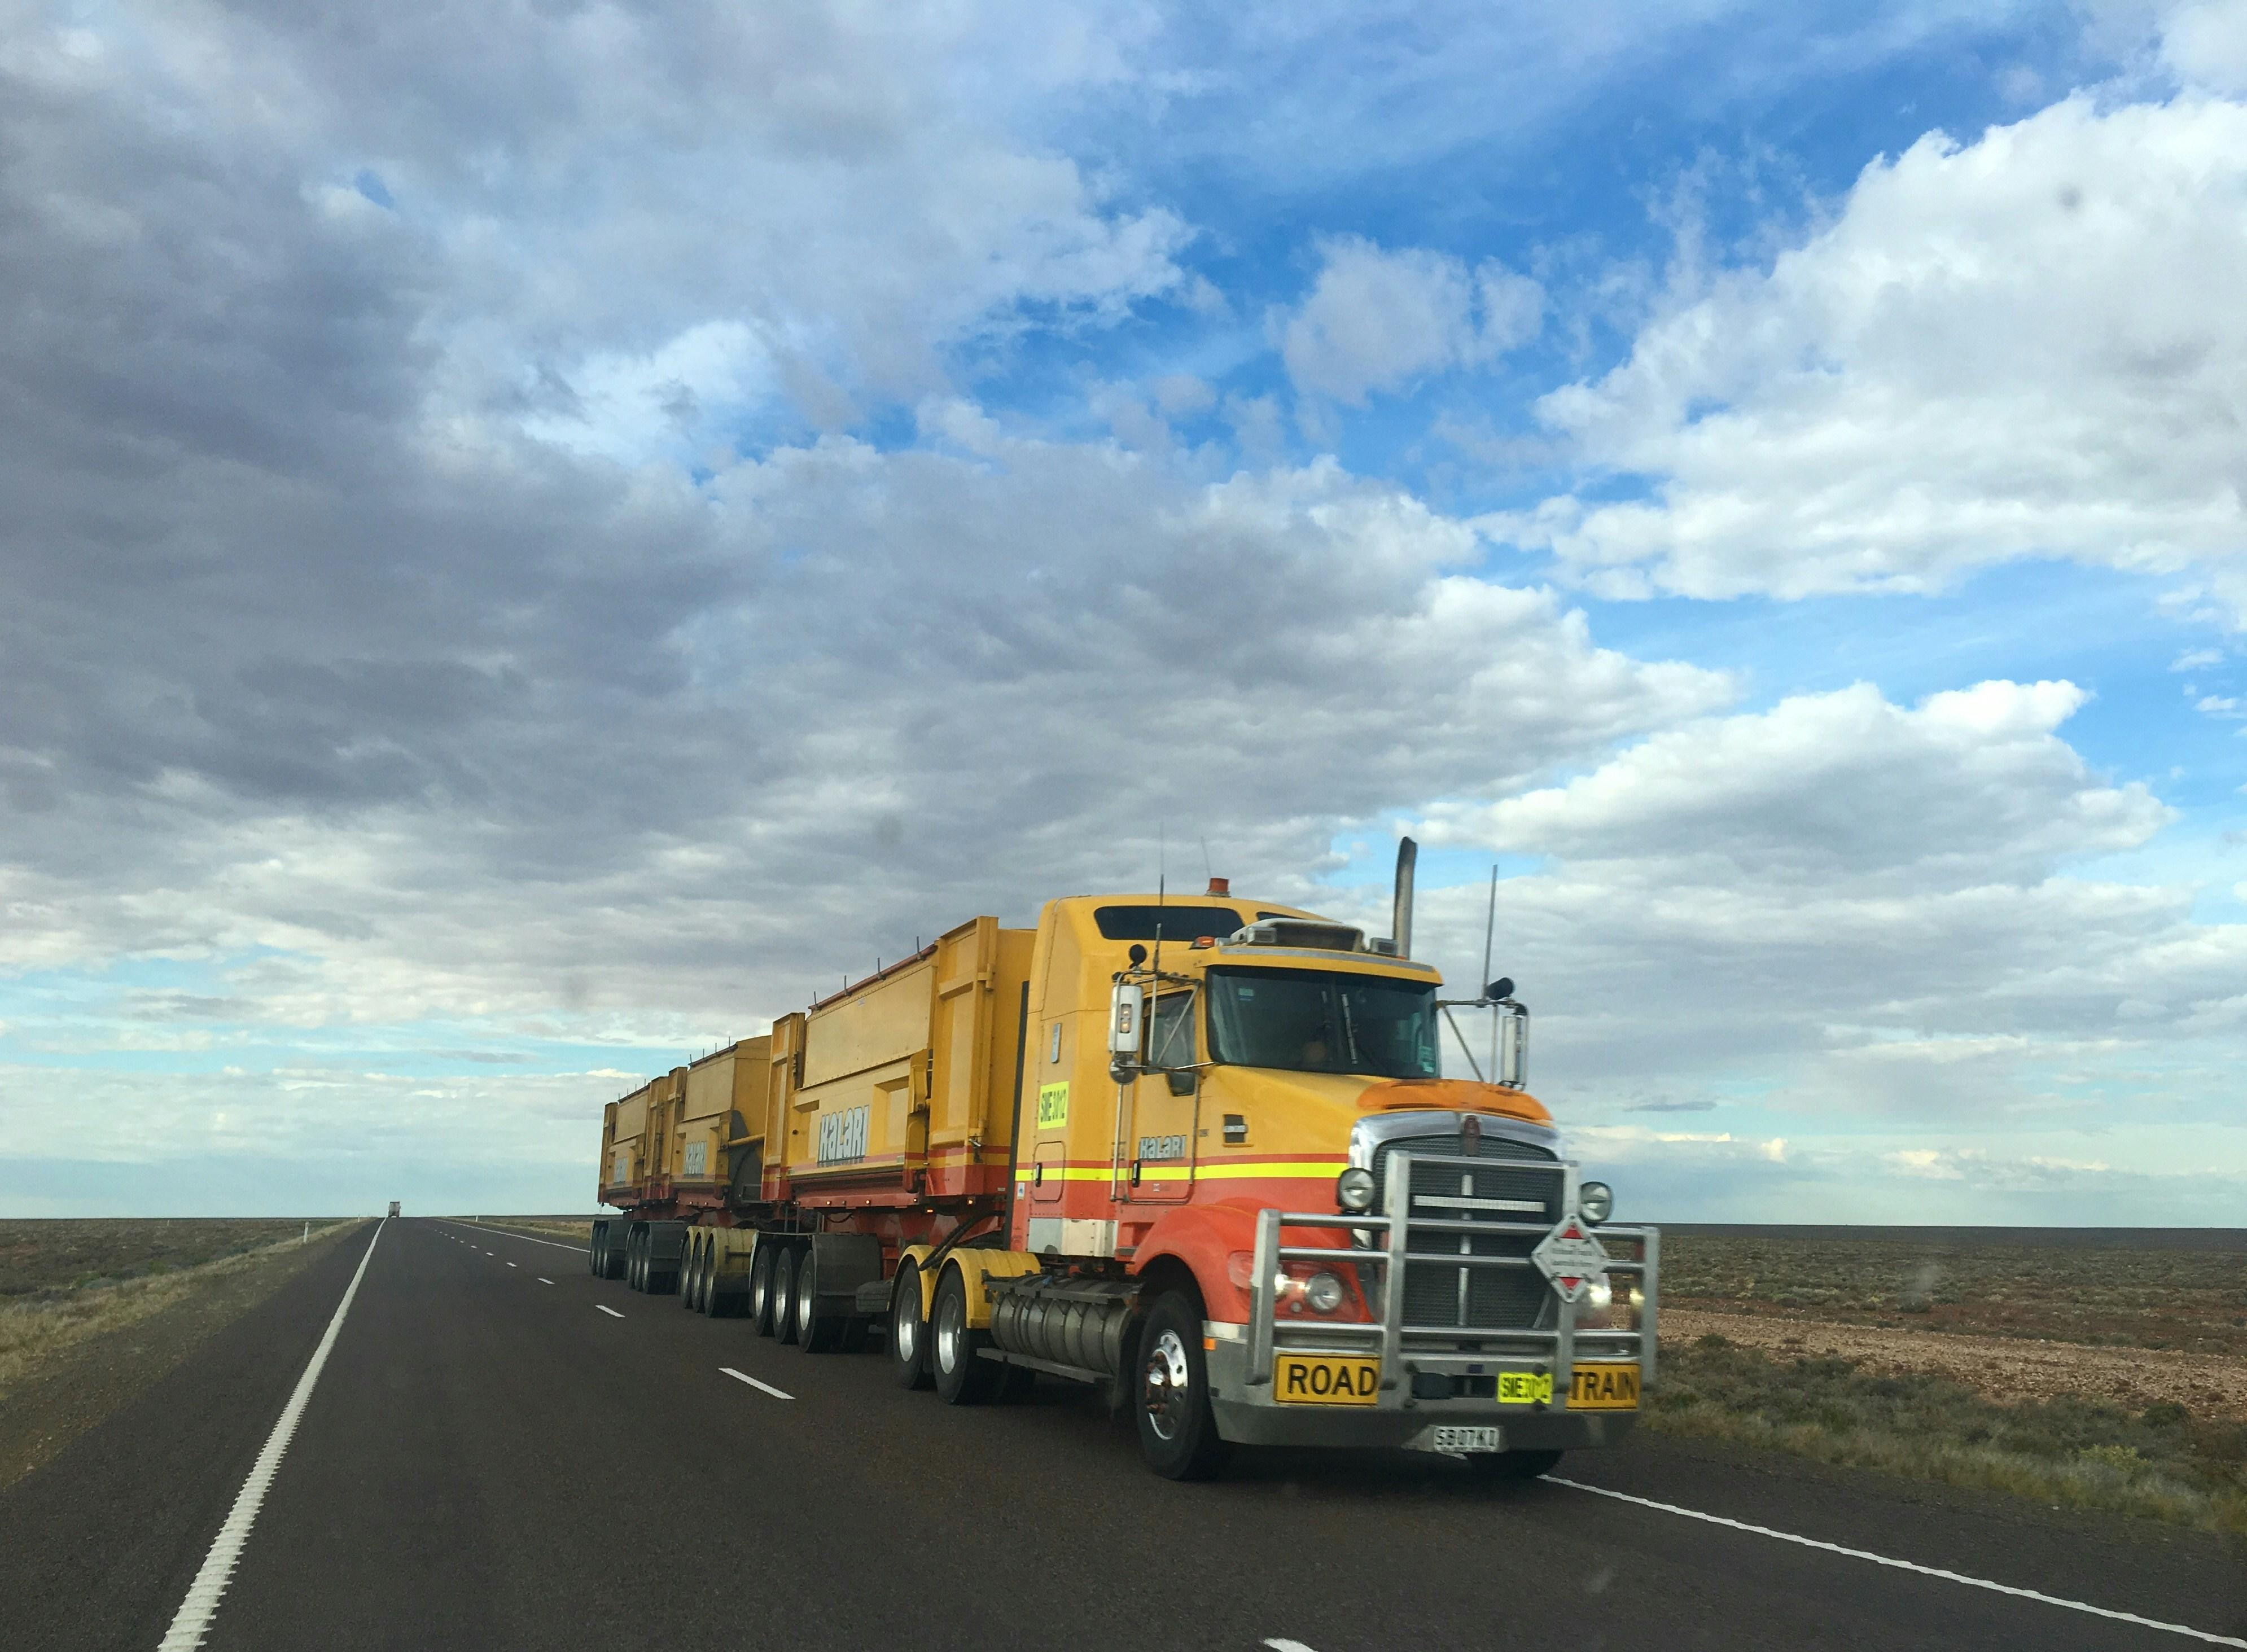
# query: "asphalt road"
[489,1460]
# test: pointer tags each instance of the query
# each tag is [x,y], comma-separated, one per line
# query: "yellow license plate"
[1326,1379]
[1604,1387]
[1525,1388]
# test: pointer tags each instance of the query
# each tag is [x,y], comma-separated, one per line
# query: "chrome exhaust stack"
[1400,913]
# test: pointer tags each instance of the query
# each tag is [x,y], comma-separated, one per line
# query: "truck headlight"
[1324,1293]
[1354,1189]
[1596,1201]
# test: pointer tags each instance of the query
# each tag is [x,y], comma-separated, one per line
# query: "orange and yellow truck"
[1199,1151]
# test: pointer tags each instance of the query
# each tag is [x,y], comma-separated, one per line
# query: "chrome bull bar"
[1393,1340]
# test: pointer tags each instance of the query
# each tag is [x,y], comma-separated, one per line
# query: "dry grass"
[2109,1376]
[62,1282]
[2161,1463]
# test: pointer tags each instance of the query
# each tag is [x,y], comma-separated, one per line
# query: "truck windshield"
[1307,1020]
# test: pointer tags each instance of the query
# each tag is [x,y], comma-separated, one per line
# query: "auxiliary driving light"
[1596,1201]
[1324,1293]
[1354,1189]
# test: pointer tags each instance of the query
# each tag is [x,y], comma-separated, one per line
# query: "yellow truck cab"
[1239,1108]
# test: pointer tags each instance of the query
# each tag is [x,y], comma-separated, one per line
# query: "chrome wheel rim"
[948,1330]
[1167,1386]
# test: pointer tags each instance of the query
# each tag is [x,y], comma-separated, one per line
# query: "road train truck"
[1199,1151]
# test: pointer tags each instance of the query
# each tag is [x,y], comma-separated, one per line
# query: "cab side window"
[1171,1034]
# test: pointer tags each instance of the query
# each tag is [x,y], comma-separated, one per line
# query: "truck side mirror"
[1125,1006]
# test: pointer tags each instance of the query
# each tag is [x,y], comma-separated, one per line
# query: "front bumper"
[1252,1415]
[1429,1376]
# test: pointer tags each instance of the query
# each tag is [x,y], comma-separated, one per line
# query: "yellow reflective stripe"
[1327,1168]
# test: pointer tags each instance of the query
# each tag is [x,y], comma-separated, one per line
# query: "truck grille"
[1477,1299]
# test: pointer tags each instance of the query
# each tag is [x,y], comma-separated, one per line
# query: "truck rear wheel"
[908,1330]
[636,1259]
[963,1376]
[1513,1466]
[783,1295]
[1177,1431]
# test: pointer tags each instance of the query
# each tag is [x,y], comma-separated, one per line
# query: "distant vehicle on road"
[1199,1152]
[393,1207]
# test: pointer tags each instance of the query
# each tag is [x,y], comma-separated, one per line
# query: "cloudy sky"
[537,537]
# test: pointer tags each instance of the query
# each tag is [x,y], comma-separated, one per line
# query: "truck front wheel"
[1177,1431]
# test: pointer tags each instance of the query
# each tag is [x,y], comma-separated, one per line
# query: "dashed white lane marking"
[545,1282]
[1287,1646]
[606,1309]
[743,1376]
[527,1239]
[1904,1566]
[192,1621]
[510,1265]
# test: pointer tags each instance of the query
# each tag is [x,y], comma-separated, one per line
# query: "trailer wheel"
[635,1259]
[1177,1431]
[1513,1466]
[908,1330]
[760,1284]
[613,1255]
[783,1295]
[596,1251]
[696,1283]
[963,1376]
[715,1304]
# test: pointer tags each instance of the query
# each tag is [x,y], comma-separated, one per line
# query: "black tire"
[636,1261]
[908,1330]
[688,1260]
[963,1376]
[597,1253]
[713,1304]
[760,1278]
[783,1295]
[1513,1466]
[816,1332]
[1170,1394]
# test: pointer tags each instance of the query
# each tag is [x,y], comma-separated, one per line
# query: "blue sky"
[544,538]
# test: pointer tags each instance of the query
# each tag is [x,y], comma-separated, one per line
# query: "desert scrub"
[66,1281]
[2161,1464]
[2109,1296]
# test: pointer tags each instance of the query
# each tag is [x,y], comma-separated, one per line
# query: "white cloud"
[1376,320]
[2029,345]
[1840,904]
[2205,43]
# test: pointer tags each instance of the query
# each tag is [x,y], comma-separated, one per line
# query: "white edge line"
[743,1376]
[1902,1565]
[192,1621]
[606,1309]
